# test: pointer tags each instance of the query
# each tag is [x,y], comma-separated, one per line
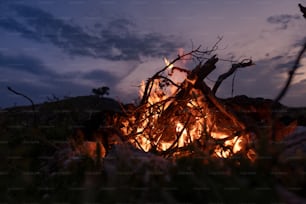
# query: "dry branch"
[196,53]
[29,99]
[200,72]
[221,78]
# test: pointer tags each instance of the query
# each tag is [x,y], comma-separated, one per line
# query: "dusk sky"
[68,47]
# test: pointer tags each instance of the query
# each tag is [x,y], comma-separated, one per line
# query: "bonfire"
[179,143]
[177,115]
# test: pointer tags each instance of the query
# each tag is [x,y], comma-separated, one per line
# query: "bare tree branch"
[29,99]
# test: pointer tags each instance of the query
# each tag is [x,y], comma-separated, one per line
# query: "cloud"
[96,75]
[283,20]
[26,64]
[101,77]
[285,66]
[12,25]
[31,76]
[118,40]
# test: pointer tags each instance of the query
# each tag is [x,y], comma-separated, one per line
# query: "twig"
[179,69]
[149,84]
[168,80]
[197,53]
[233,83]
[221,78]
[29,99]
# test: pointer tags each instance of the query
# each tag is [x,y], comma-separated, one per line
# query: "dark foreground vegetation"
[38,165]
[87,149]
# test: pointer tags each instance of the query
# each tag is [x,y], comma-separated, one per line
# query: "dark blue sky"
[66,48]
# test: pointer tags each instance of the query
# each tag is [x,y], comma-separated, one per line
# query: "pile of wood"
[195,101]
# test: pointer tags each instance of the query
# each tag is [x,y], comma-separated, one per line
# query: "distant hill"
[90,102]
[80,108]
[73,110]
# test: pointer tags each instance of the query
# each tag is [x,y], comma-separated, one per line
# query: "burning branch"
[178,136]
[209,94]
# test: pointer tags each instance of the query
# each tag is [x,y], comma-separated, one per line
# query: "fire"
[235,143]
[163,122]
[183,139]
[170,66]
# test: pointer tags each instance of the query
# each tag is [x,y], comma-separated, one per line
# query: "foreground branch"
[296,63]
[291,74]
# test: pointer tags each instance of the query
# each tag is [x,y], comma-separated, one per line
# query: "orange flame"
[170,66]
